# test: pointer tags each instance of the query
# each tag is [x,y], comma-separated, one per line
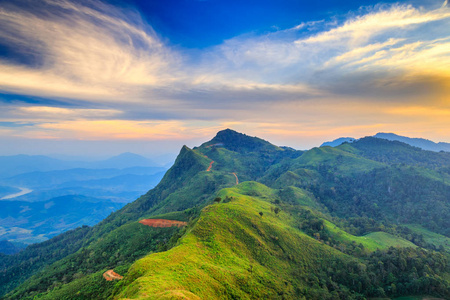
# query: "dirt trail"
[162,223]
[210,164]
[237,179]
[111,275]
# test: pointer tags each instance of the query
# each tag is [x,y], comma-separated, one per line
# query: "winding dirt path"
[111,275]
[210,164]
[162,223]
[237,179]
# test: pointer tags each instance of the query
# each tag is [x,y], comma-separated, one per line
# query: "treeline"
[396,194]
[395,152]
[119,248]
[392,272]
[15,269]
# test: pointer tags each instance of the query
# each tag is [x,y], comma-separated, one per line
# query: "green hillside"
[234,252]
[433,238]
[328,223]
[244,249]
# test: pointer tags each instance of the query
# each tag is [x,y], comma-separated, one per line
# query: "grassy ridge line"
[232,252]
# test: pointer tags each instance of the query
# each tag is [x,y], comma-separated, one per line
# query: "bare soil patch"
[162,223]
[111,275]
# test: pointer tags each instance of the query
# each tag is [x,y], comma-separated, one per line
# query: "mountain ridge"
[327,223]
[416,142]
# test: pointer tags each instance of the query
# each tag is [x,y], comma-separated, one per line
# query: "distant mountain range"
[27,222]
[19,164]
[29,183]
[416,142]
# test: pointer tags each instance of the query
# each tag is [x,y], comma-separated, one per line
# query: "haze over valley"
[42,196]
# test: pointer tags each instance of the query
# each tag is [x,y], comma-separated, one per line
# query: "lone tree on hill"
[218,199]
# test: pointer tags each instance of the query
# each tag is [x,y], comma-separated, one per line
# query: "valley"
[57,195]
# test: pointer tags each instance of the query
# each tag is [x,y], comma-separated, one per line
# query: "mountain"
[338,142]
[118,185]
[7,247]
[19,164]
[124,160]
[53,179]
[415,142]
[361,220]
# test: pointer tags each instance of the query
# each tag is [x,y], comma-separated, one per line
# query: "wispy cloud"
[82,52]
[121,74]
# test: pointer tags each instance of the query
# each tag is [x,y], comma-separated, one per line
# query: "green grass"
[371,241]
[297,196]
[233,252]
[342,161]
[431,237]
[386,240]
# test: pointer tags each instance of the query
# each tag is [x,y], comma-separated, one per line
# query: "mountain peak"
[338,141]
[239,142]
[229,134]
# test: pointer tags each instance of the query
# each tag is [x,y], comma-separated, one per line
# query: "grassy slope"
[371,241]
[342,161]
[233,252]
[431,237]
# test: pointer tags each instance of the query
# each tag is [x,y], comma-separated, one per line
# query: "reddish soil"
[210,166]
[237,180]
[111,275]
[162,223]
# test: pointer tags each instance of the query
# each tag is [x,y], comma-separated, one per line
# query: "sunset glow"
[115,72]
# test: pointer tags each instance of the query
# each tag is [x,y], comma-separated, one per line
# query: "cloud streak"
[87,53]
[120,74]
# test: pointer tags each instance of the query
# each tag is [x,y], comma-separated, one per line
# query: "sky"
[103,77]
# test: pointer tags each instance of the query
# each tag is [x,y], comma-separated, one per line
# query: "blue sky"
[199,24]
[78,74]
